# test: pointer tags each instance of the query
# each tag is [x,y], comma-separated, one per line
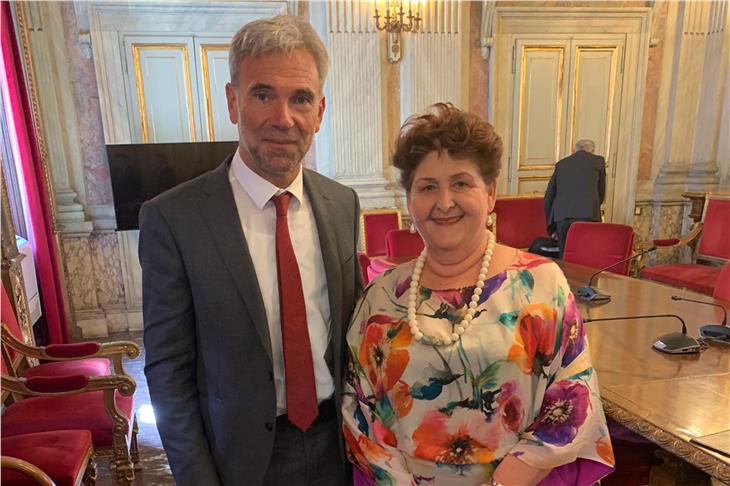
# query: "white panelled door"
[178,88]
[564,88]
[163,87]
[213,75]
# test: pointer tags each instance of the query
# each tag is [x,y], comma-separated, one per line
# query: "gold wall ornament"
[394,24]
[24,19]
[26,50]
[12,272]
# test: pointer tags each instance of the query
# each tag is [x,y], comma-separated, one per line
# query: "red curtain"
[31,174]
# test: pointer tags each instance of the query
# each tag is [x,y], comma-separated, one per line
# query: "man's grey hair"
[585,144]
[282,33]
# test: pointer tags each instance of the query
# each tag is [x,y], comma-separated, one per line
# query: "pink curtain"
[25,146]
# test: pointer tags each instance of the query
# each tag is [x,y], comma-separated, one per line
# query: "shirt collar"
[259,189]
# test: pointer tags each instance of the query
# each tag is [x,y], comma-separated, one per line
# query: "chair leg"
[89,478]
[122,462]
[134,445]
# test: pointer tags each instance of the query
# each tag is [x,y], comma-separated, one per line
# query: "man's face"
[278,105]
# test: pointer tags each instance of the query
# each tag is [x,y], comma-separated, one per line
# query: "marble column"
[349,147]
[43,23]
[435,63]
[692,94]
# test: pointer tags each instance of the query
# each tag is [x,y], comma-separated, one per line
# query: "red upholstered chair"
[88,358]
[103,405]
[403,243]
[598,245]
[520,220]
[364,261]
[62,457]
[713,246]
[722,286]
[375,224]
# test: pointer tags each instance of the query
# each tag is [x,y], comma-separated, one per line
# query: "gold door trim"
[537,167]
[136,49]
[520,129]
[611,91]
[204,49]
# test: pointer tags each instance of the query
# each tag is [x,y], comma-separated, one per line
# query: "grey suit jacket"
[208,352]
[576,189]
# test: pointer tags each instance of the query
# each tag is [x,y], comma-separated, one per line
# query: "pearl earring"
[412,229]
[490,220]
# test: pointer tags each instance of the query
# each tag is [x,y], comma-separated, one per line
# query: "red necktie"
[301,392]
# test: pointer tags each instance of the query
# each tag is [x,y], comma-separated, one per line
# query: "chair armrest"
[26,469]
[114,351]
[69,384]
[684,240]
[72,350]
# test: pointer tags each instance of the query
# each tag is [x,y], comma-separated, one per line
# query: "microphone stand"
[592,294]
[718,332]
[672,343]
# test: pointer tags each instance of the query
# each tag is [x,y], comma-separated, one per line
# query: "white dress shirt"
[258,220]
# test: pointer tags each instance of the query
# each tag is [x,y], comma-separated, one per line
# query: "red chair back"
[375,227]
[722,287]
[715,239]
[403,243]
[364,261]
[598,245]
[520,220]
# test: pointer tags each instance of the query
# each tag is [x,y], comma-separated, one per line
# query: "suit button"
[269,426]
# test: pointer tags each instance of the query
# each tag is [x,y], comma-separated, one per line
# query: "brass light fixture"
[396,23]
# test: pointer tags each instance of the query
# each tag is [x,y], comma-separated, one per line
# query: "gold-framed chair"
[103,405]
[21,358]
[62,457]
[374,226]
[710,243]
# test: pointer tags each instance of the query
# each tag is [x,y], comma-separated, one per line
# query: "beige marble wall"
[95,284]
[657,220]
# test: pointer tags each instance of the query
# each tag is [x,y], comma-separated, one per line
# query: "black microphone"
[589,293]
[719,332]
[672,343]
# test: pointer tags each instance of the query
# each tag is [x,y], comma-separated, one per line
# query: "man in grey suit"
[575,191]
[250,276]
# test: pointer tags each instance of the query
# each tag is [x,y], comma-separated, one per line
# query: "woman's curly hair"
[446,128]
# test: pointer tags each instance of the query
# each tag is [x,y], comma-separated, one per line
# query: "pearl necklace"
[471,310]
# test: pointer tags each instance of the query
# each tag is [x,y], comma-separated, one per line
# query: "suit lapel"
[325,215]
[219,211]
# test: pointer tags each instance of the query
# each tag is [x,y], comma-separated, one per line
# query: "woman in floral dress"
[469,365]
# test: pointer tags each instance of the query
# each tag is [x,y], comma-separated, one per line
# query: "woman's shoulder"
[539,266]
[393,278]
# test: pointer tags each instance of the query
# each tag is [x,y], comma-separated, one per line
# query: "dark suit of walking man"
[249,280]
[575,191]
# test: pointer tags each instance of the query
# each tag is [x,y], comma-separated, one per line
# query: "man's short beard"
[262,163]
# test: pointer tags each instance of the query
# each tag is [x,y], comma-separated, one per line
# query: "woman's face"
[449,202]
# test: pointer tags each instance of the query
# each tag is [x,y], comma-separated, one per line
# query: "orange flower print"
[464,437]
[383,353]
[605,450]
[402,399]
[535,336]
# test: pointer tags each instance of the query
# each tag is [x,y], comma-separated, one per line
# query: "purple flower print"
[491,285]
[564,409]
[573,332]
[456,298]
[402,286]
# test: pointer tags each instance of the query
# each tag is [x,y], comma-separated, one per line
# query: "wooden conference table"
[669,399]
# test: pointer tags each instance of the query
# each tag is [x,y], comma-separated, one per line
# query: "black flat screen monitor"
[140,172]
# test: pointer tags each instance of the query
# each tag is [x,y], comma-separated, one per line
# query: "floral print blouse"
[519,382]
